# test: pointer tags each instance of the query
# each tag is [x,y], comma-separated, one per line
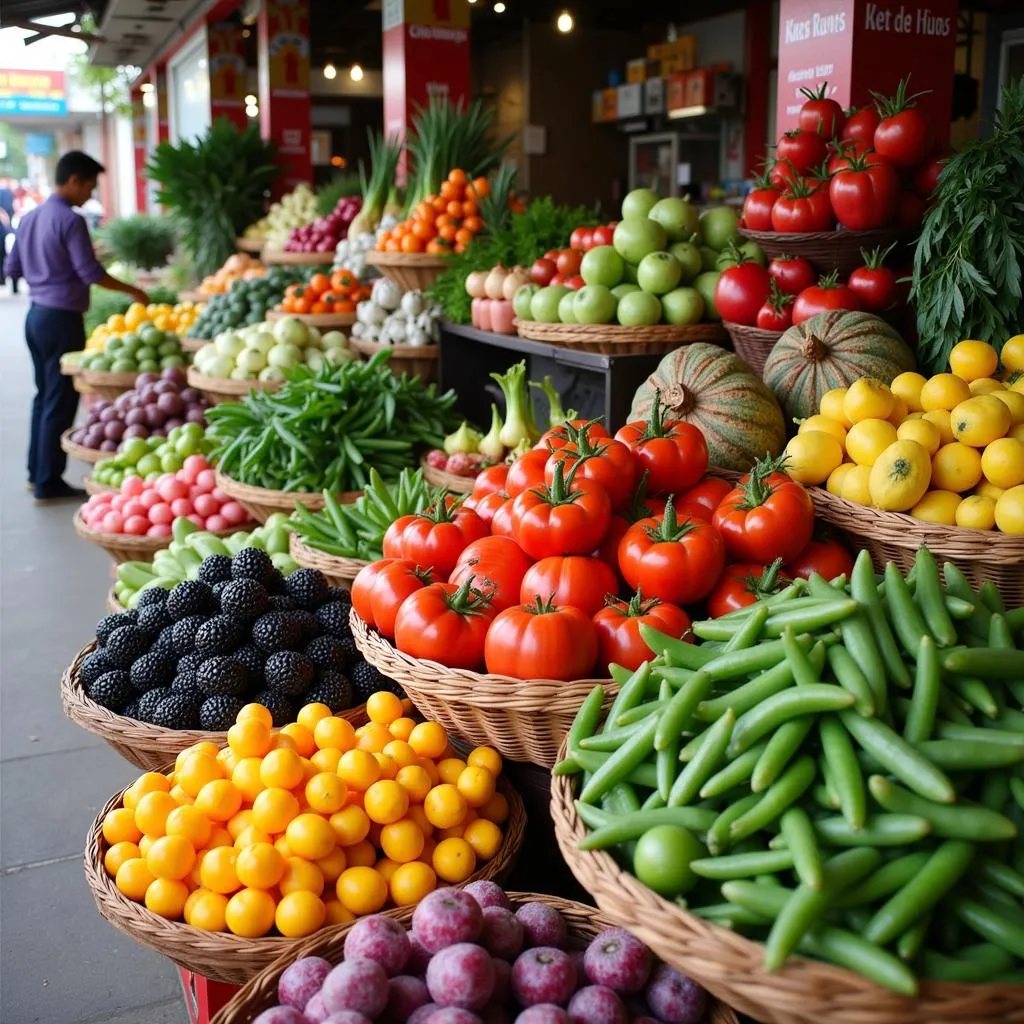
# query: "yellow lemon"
[1012,353]
[956,467]
[944,391]
[940,419]
[971,360]
[937,507]
[908,387]
[988,490]
[900,476]
[899,411]
[980,420]
[1002,462]
[834,484]
[1014,401]
[857,485]
[812,456]
[832,406]
[868,399]
[924,433]
[977,512]
[1009,516]
[985,386]
[823,423]
[868,438]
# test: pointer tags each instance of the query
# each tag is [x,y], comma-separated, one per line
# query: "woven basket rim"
[106,378]
[249,244]
[412,260]
[286,500]
[302,259]
[369,348]
[611,333]
[450,481]
[124,541]
[79,451]
[226,386]
[751,333]
[843,235]
[330,565]
[315,319]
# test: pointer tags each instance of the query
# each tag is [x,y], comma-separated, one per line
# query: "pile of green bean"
[845,761]
[357,530]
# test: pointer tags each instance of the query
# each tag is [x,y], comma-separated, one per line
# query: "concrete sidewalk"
[60,963]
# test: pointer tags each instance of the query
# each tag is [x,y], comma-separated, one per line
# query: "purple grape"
[155,416]
[174,375]
[195,414]
[146,378]
[107,446]
[114,430]
[190,395]
[174,421]
[136,430]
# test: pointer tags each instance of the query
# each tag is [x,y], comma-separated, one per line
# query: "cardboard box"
[654,96]
[630,100]
[636,71]
[675,92]
[684,48]
[699,88]
[610,104]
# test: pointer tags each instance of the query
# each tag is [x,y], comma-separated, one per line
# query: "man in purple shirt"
[53,253]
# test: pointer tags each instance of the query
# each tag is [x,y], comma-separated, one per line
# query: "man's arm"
[89,269]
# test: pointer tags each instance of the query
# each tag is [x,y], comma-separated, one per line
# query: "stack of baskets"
[79,451]
[411,271]
[339,572]
[223,389]
[261,502]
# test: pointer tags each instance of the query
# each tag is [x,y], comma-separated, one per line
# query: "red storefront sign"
[163,115]
[226,54]
[139,149]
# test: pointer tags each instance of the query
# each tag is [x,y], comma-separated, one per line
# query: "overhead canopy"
[27,10]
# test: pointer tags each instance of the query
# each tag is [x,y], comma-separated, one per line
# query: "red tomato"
[909,209]
[791,273]
[671,559]
[604,460]
[864,196]
[782,175]
[501,521]
[802,149]
[437,536]
[490,480]
[489,504]
[391,547]
[567,518]
[860,126]
[741,291]
[874,284]
[757,207]
[828,558]
[497,566]
[844,150]
[602,235]
[827,294]
[542,271]
[926,177]
[391,586]
[777,312]
[765,518]
[904,135]
[608,552]
[541,641]
[673,454]
[742,584]
[558,437]
[581,238]
[362,588]
[444,623]
[568,262]
[803,208]
[527,471]
[558,280]
[583,583]
[821,115]
[618,628]
[701,500]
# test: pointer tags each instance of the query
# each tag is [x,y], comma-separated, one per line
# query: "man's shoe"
[58,493]
[29,486]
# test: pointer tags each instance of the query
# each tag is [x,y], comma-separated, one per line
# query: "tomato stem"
[558,493]
[635,607]
[541,607]
[766,582]
[670,530]
[902,99]
[756,491]
[875,259]
[467,600]
[441,510]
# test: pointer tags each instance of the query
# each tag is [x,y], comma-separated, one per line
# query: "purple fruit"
[171,404]
[173,422]
[675,998]
[543,975]
[618,960]
[164,387]
[114,430]
[347,1017]
[359,985]
[542,925]
[78,436]
[596,1004]
[175,375]
[423,1014]
[146,378]
[135,416]
[381,939]
[453,1015]
[502,934]
[300,981]
[136,430]
[544,1013]
[406,995]
[461,975]
[445,917]
[315,1011]
[419,957]
[195,414]
[108,446]
[190,395]
[154,415]
[108,414]
[488,894]
[502,981]
[281,1015]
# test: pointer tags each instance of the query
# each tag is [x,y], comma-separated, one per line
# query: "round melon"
[717,392]
[832,350]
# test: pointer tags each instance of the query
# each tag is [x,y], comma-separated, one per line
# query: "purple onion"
[171,403]
[135,416]
[174,421]
[190,395]
[136,430]
[107,446]
[195,414]
[175,375]
[114,430]
[146,378]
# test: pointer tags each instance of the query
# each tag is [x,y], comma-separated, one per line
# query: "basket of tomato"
[328,300]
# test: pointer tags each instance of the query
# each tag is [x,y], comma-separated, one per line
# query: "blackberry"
[176,712]
[279,706]
[218,714]
[289,672]
[186,686]
[252,660]
[333,617]
[332,689]
[112,690]
[151,670]
[307,587]
[252,564]
[218,635]
[276,631]
[274,582]
[131,711]
[215,569]
[164,643]
[148,702]
[152,597]
[193,597]
[243,599]
[126,644]
[338,594]
[94,665]
[348,643]
[189,664]
[220,675]
[185,634]
[326,652]
[153,620]
[308,623]
[365,679]
[109,623]
[281,603]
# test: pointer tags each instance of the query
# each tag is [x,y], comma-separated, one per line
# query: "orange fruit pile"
[325,293]
[314,824]
[444,223]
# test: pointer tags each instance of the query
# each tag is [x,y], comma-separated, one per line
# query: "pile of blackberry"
[192,657]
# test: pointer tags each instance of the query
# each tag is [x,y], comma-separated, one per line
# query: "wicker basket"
[222,389]
[449,481]
[339,572]
[415,360]
[328,321]
[895,537]
[616,340]
[731,966]
[413,271]
[80,452]
[124,547]
[262,503]
[261,993]
[827,250]
[95,487]
[526,720]
[752,344]
[194,344]
[191,295]
[249,244]
[221,956]
[107,385]
[297,259]
[113,604]
[148,747]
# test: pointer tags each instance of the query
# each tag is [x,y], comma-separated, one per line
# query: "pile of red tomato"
[548,569]
[876,168]
[562,266]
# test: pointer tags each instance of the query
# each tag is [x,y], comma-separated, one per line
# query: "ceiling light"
[330,71]
[565,22]
[251,100]
[499,8]
[252,111]
[147,87]
[356,73]
[246,33]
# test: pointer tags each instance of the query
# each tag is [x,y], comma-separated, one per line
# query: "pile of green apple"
[661,268]
[149,457]
[146,350]
[265,351]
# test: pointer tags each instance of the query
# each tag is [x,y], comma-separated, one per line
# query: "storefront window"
[190,90]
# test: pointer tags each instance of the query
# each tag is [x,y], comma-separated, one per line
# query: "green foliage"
[338,187]
[541,226]
[111,87]
[215,187]
[967,267]
[142,240]
[15,163]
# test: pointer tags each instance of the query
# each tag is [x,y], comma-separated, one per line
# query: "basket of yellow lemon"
[935,461]
[176,319]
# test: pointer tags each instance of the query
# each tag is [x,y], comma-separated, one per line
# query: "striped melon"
[832,350]
[716,391]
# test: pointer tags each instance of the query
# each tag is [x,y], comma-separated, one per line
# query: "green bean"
[795,589]
[592,761]
[718,833]
[966,969]
[995,790]
[804,672]
[865,592]
[754,659]
[850,677]
[742,865]
[810,618]
[596,817]
[666,760]
[766,901]
[704,763]
[970,755]
[1017,791]
[844,770]
[929,598]
[906,620]
[609,740]
[999,900]
[985,662]
[888,879]
[792,785]
[1012,719]
[654,800]
[990,926]
[877,830]
[924,701]
[783,707]
[956,821]
[847,949]
[782,748]
[802,845]
[949,731]
[958,585]
[729,915]
[992,598]
[749,630]
[620,799]
[975,693]
[958,608]
[631,692]
[632,826]
[680,654]
[747,696]
[586,719]
[620,674]
[633,715]
[735,772]
[673,719]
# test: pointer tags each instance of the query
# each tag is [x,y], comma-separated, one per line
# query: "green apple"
[688,254]
[629,273]
[705,284]
[639,203]
[544,304]
[594,304]
[719,225]
[683,306]
[638,309]
[602,265]
[626,288]
[659,272]
[635,237]
[678,217]
[708,258]
[565,311]
[521,300]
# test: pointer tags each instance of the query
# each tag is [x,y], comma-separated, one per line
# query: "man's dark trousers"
[50,333]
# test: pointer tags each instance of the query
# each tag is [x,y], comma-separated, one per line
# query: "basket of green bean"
[816,812]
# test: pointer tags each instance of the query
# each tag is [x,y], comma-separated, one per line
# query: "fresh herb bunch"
[967,267]
[215,187]
[543,225]
[341,185]
[142,241]
[324,429]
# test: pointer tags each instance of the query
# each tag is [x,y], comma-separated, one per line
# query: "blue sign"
[38,144]
[32,93]
[30,105]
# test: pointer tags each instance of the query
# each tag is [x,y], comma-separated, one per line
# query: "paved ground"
[60,963]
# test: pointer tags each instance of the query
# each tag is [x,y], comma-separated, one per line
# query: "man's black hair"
[77,164]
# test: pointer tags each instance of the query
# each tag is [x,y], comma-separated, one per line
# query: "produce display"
[175,319]
[296,867]
[246,302]
[145,351]
[833,771]
[291,211]
[239,266]
[153,507]
[324,429]
[474,950]
[148,457]
[350,255]
[265,351]
[337,292]
[158,404]
[391,316]
[324,234]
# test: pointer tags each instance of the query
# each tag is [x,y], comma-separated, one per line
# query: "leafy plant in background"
[338,187]
[141,240]
[214,187]
[967,266]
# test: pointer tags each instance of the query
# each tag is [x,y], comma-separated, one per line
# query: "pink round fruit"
[406,995]
[618,961]
[206,480]
[488,894]
[219,495]
[206,505]
[192,467]
[675,998]
[542,925]
[234,513]
[381,939]
[347,1017]
[159,530]
[113,522]
[136,526]
[461,975]
[133,486]
[453,1015]
[315,1011]
[597,1004]
[182,506]
[359,985]
[161,513]
[544,1013]
[132,507]
[170,487]
[419,956]
[423,1014]
[216,523]
[543,975]
[281,1015]
[197,520]
[300,981]
[502,981]
[149,498]
[445,917]
[502,933]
